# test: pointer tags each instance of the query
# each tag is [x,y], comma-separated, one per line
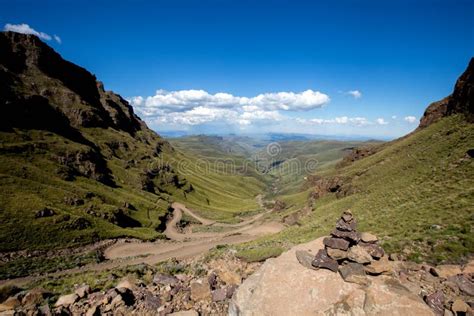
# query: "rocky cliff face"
[460,101]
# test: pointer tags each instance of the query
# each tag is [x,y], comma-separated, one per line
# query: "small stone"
[66,300]
[351,236]
[219,295]
[230,290]
[359,254]
[305,258]
[353,273]
[83,291]
[323,261]
[374,250]
[448,270]
[447,312]
[436,302]
[212,279]
[164,279]
[379,267]
[393,257]
[434,272]
[346,226]
[347,216]
[337,254]
[459,306]
[117,301]
[200,290]
[368,237]
[336,243]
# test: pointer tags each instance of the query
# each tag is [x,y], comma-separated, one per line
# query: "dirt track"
[180,246]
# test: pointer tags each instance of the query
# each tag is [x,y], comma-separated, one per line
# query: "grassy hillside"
[416,194]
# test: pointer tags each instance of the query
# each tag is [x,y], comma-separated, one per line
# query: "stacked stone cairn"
[351,253]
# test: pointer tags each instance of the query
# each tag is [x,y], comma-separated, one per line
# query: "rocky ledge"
[348,273]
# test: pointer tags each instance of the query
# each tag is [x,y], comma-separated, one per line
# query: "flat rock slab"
[282,286]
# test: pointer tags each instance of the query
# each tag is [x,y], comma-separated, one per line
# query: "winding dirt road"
[179,246]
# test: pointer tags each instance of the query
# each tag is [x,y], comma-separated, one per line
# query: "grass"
[416,194]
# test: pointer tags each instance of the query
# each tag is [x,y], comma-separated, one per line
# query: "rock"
[200,290]
[126,295]
[368,237]
[230,290]
[351,236]
[66,300]
[282,286]
[164,279]
[433,272]
[464,284]
[219,295]
[322,261]
[359,254]
[448,270]
[45,212]
[448,313]
[336,243]
[34,297]
[10,303]
[337,254]
[45,310]
[347,216]
[93,311]
[394,257]
[126,284]
[374,250]
[151,302]
[229,277]
[379,267]
[436,302]
[116,302]
[212,280]
[459,306]
[185,313]
[346,226]
[82,291]
[354,273]
[468,268]
[305,258]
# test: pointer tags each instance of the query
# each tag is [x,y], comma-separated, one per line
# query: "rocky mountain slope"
[78,165]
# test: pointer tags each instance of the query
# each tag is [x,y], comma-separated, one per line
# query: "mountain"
[415,192]
[78,165]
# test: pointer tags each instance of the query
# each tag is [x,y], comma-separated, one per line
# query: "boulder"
[448,270]
[200,290]
[359,254]
[354,273]
[368,237]
[82,291]
[468,268]
[463,283]
[459,307]
[66,300]
[322,261]
[282,286]
[337,254]
[34,297]
[219,295]
[379,267]
[165,279]
[126,284]
[374,250]
[436,302]
[10,304]
[336,243]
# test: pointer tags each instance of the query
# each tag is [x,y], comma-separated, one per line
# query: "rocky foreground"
[350,274]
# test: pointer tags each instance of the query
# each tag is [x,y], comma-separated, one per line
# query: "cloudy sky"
[365,68]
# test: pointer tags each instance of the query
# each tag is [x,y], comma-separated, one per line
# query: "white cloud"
[184,100]
[394,117]
[410,119]
[341,120]
[381,121]
[26,29]
[355,93]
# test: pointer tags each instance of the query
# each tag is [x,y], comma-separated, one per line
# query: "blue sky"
[244,66]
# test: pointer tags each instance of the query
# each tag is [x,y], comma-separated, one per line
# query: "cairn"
[351,253]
